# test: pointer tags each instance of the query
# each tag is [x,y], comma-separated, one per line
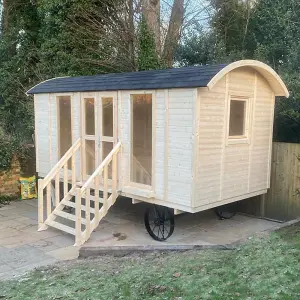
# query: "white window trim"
[130,182]
[241,139]
[57,97]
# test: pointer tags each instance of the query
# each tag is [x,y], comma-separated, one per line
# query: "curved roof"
[187,77]
[267,72]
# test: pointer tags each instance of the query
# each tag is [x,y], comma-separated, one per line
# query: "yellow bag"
[28,188]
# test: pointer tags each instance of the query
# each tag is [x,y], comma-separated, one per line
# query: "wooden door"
[99,128]
[107,124]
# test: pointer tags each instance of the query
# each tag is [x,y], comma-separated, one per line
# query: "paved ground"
[22,248]
[124,226]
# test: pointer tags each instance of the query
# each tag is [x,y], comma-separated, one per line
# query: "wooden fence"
[282,202]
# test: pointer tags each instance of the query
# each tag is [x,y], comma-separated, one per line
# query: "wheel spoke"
[161,232]
[153,227]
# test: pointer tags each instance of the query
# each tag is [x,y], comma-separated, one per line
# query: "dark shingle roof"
[186,77]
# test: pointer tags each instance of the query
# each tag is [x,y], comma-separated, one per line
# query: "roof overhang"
[274,80]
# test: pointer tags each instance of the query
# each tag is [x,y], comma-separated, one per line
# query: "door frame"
[98,137]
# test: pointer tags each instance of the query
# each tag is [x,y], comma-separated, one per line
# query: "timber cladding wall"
[282,202]
[9,180]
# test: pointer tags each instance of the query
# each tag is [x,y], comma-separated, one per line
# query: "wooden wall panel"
[42,133]
[226,170]
[210,147]
[261,133]
[180,145]
[160,107]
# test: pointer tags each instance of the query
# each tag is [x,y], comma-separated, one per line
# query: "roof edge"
[29,92]
[266,71]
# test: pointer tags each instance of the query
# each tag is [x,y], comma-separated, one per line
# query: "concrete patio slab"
[124,227]
[23,248]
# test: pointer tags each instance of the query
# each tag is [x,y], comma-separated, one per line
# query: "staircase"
[78,207]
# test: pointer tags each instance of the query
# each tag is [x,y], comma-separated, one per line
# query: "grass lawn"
[266,268]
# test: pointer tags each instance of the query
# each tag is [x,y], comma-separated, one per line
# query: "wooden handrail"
[61,163]
[105,162]
[85,192]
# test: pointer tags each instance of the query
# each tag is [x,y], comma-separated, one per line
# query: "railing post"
[114,177]
[57,194]
[87,213]
[40,203]
[78,237]
[48,197]
[66,178]
[73,170]
[97,187]
[105,187]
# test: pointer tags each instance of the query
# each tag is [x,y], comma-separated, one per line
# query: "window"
[65,124]
[141,154]
[90,156]
[107,116]
[89,116]
[238,127]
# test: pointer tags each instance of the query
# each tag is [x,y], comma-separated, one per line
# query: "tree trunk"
[131,42]
[5,16]
[151,12]
[174,32]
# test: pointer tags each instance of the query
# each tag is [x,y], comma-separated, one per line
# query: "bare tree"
[112,35]
[174,31]
[151,12]
[4,16]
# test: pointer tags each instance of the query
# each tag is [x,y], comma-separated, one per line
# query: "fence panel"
[282,201]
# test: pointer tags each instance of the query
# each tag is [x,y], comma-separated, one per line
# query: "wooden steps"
[92,198]
[72,204]
[92,186]
[60,226]
[68,216]
[82,196]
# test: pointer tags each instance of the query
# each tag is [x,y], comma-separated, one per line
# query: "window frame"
[57,104]
[245,138]
[85,137]
[129,181]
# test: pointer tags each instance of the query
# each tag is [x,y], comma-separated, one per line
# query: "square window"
[237,118]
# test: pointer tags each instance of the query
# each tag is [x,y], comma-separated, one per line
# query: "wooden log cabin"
[189,139]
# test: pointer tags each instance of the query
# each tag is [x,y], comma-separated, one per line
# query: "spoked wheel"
[226,211]
[159,222]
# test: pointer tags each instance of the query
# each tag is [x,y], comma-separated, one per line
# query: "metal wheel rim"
[226,211]
[159,222]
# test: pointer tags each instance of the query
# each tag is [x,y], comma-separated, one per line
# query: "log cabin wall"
[228,169]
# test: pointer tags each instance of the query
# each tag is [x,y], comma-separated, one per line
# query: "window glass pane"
[237,118]
[107,116]
[106,149]
[141,163]
[90,156]
[89,116]
[65,125]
